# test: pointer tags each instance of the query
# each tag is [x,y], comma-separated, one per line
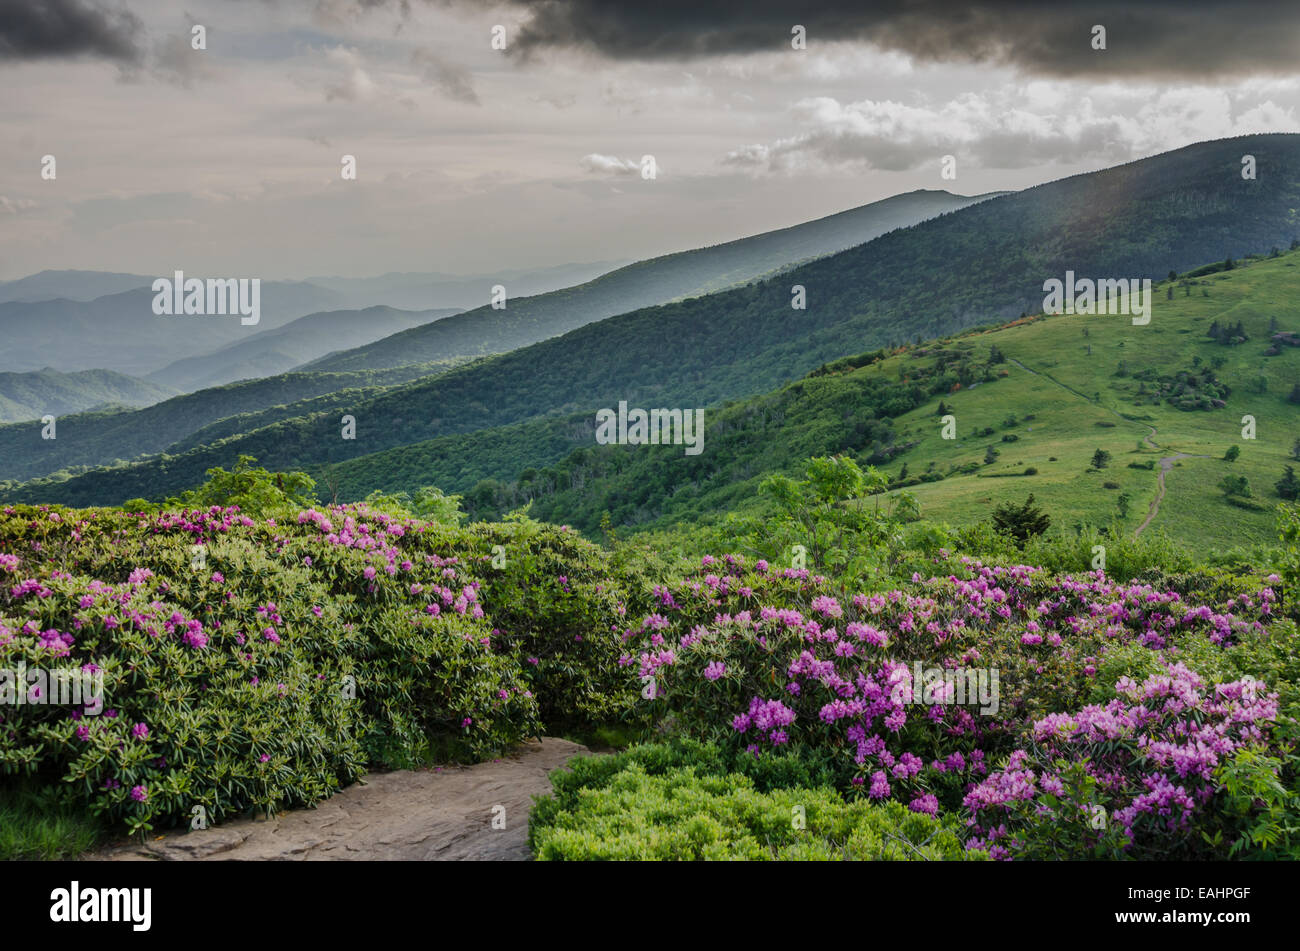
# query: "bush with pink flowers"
[760,658]
[263,663]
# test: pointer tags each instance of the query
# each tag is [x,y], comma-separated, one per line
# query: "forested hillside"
[982,264]
[26,396]
[524,321]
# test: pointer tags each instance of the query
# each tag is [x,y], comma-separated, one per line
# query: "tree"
[256,491]
[1100,459]
[1294,396]
[826,514]
[1123,503]
[1232,454]
[431,505]
[1288,487]
[1235,485]
[990,456]
[1021,522]
[1295,449]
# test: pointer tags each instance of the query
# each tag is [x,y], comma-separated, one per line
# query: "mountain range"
[106,437]
[499,416]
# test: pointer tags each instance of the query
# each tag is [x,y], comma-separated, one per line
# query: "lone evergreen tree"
[1288,487]
[1021,522]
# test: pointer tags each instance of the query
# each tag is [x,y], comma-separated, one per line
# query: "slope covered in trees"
[96,438]
[524,321]
[35,394]
[981,264]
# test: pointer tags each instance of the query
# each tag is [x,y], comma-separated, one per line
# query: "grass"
[34,827]
[1079,404]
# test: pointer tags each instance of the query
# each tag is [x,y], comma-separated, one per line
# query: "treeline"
[104,437]
[847,410]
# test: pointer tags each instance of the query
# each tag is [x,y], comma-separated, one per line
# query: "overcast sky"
[226,161]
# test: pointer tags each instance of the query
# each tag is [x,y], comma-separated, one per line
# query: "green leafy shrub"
[260,664]
[645,806]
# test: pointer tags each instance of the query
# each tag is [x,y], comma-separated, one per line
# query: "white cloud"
[1011,127]
[610,165]
[355,84]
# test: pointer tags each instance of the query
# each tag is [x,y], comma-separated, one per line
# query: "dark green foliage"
[183,422]
[1021,522]
[555,464]
[1235,485]
[29,396]
[1288,487]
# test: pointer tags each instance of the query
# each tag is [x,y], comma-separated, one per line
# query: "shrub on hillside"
[258,664]
[759,659]
[683,803]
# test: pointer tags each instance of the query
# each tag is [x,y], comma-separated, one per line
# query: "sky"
[226,161]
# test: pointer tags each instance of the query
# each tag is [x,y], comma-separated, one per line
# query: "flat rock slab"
[440,814]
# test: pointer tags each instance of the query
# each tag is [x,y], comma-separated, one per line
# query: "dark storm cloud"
[1191,38]
[40,29]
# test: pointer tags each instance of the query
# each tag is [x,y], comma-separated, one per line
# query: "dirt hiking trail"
[423,815]
[1166,463]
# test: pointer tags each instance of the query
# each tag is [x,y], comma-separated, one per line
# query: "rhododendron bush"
[260,663]
[264,662]
[768,659]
